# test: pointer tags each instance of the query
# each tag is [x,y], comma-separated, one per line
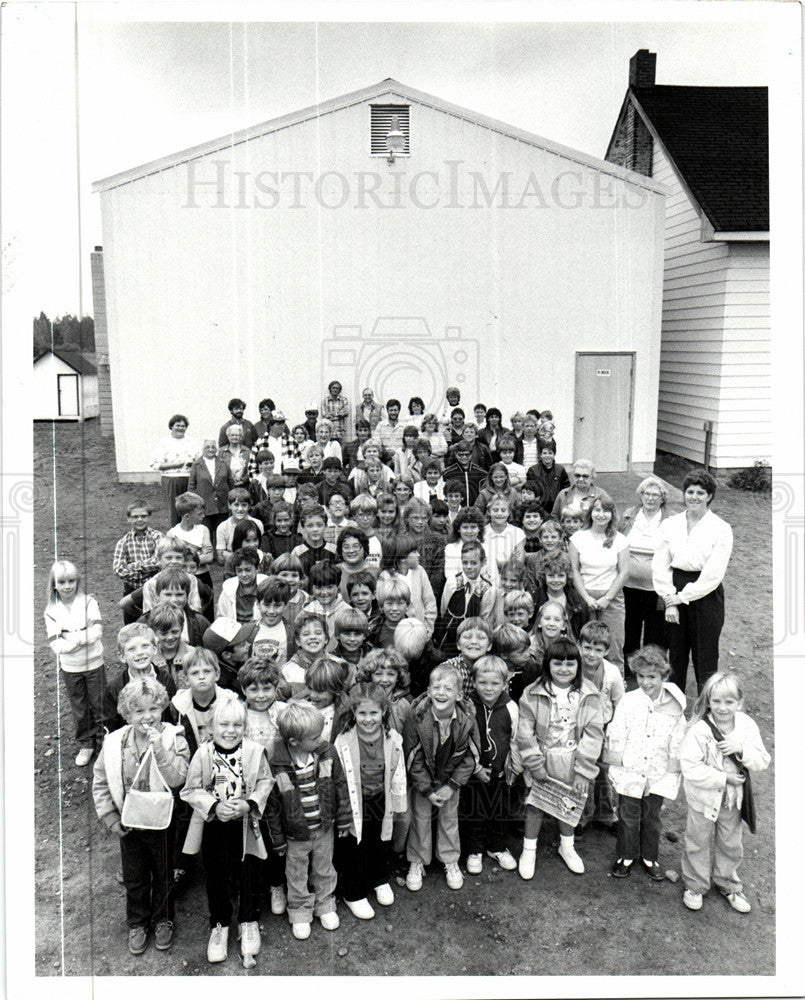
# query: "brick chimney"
[642,68]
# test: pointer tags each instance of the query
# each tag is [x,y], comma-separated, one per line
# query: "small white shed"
[65,386]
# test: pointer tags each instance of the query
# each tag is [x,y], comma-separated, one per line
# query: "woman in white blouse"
[645,611]
[172,457]
[599,558]
[429,430]
[687,569]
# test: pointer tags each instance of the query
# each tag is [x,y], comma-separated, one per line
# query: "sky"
[138,90]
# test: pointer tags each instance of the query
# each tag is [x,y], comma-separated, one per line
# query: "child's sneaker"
[567,852]
[163,935]
[475,864]
[738,902]
[219,944]
[385,894]
[330,921]
[360,908]
[84,756]
[455,880]
[527,864]
[138,940]
[279,899]
[691,899]
[301,931]
[503,858]
[413,879]
[249,938]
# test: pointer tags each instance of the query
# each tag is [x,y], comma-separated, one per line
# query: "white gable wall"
[210,295]
[715,358]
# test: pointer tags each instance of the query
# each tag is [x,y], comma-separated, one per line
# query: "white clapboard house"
[710,147]
[65,386]
[392,240]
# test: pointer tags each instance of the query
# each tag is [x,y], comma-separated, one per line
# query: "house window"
[382,121]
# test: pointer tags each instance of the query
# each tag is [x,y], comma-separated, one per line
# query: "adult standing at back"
[551,477]
[236,409]
[582,492]
[688,569]
[173,457]
[211,479]
[599,557]
[645,611]
[336,408]
[369,410]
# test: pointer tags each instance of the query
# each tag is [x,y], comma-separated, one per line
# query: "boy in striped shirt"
[310,797]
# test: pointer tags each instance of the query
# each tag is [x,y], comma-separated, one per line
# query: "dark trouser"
[129,617]
[274,865]
[211,522]
[147,859]
[644,622]
[600,806]
[483,811]
[697,633]
[207,609]
[86,691]
[227,875]
[639,827]
[366,865]
[172,487]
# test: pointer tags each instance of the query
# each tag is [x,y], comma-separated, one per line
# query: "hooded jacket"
[347,746]
[497,734]
[534,724]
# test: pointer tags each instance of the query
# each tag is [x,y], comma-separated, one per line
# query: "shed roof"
[74,359]
[387,88]
[718,139]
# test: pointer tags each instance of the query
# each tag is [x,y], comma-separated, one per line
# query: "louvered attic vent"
[382,121]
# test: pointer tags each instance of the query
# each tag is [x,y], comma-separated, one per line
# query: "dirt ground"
[497,925]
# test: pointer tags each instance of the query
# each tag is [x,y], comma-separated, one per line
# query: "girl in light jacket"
[560,734]
[719,738]
[642,751]
[372,757]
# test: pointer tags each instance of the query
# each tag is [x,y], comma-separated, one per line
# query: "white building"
[65,386]
[267,262]
[710,147]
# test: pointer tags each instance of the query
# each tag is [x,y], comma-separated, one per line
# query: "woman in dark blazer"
[211,479]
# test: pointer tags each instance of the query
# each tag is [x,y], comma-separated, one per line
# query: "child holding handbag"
[138,767]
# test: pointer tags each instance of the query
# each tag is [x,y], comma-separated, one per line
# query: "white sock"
[529,843]
[566,840]
[625,861]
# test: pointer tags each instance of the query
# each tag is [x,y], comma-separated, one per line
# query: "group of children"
[299,730]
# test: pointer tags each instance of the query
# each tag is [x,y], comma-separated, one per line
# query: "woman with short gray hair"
[645,609]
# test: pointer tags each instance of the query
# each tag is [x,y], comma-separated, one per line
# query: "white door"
[603,414]
[67,389]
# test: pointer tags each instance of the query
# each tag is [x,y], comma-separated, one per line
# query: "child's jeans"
[420,845]
[613,616]
[484,811]
[316,856]
[147,861]
[85,691]
[720,840]
[365,865]
[274,865]
[229,874]
[601,801]
[639,827]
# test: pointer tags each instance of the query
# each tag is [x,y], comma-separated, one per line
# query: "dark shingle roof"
[718,137]
[75,359]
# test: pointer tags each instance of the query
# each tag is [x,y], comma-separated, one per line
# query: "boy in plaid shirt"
[135,559]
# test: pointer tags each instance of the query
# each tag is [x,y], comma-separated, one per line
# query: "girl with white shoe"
[560,734]
[372,757]
[720,747]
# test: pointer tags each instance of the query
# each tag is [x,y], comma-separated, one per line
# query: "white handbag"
[144,809]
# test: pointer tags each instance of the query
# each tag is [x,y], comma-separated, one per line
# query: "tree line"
[66,331]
